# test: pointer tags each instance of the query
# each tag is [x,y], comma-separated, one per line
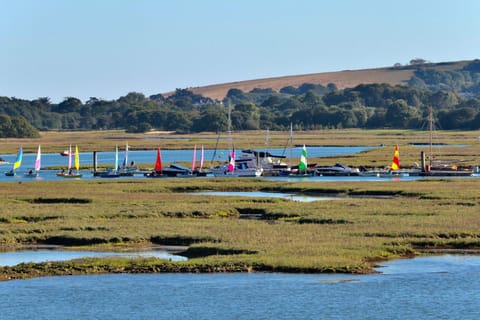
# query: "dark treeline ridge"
[453,95]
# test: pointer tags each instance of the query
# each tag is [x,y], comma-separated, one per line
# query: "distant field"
[342,79]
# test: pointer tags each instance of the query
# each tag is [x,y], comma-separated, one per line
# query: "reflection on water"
[288,196]
[44,255]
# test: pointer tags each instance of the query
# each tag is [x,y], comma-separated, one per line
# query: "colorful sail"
[396,160]
[116,157]
[231,163]
[77,159]
[70,158]
[158,162]
[194,159]
[125,159]
[303,160]
[201,159]
[38,159]
[18,160]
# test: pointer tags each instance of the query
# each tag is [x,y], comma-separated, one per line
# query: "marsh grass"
[344,235]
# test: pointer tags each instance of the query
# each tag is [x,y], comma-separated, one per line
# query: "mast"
[229,126]
[267,144]
[291,145]
[430,136]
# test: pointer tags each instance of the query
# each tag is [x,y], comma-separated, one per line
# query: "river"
[440,287]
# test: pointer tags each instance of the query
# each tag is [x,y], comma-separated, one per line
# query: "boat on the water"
[127,169]
[245,166]
[112,172]
[438,168]
[303,169]
[65,153]
[33,173]
[337,169]
[393,171]
[157,171]
[270,164]
[16,164]
[71,173]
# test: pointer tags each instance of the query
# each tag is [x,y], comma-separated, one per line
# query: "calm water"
[43,255]
[424,288]
[257,194]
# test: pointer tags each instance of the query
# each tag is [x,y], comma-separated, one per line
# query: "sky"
[108,48]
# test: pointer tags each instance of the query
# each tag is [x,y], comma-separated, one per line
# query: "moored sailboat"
[393,170]
[435,167]
[112,172]
[71,173]
[302,170]
[157,170]
[16,164]
[127,169]
[35,172]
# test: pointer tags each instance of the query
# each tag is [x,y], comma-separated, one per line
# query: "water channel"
[438,287]
[44,254]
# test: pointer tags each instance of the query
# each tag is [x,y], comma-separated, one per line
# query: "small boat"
[32,173]
[112,172]
[271,164]
[303,168]
[157,171]
[245,166]
[127,169]
[3,161]
[393,171]
[336,170]
[176,170]
[65,153]
[16,164]
[199,172]
[436,168]
[71,173]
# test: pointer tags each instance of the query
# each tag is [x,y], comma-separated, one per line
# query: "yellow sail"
[77,159]
[18,160]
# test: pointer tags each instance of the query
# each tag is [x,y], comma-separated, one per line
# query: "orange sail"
[396,160]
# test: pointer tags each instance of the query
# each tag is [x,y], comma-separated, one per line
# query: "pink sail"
[194,157]
[70,158]
[231,163]
[38,160]
[201,159]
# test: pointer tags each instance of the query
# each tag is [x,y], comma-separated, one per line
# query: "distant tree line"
[453,95]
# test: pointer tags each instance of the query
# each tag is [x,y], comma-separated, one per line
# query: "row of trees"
[309,106]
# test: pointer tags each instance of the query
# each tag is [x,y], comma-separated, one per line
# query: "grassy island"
[369,222]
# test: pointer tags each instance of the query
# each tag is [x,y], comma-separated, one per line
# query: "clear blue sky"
[108,48]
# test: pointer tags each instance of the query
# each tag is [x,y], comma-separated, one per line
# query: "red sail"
[158,163]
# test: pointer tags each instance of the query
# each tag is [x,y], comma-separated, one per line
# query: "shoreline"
[113,265]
